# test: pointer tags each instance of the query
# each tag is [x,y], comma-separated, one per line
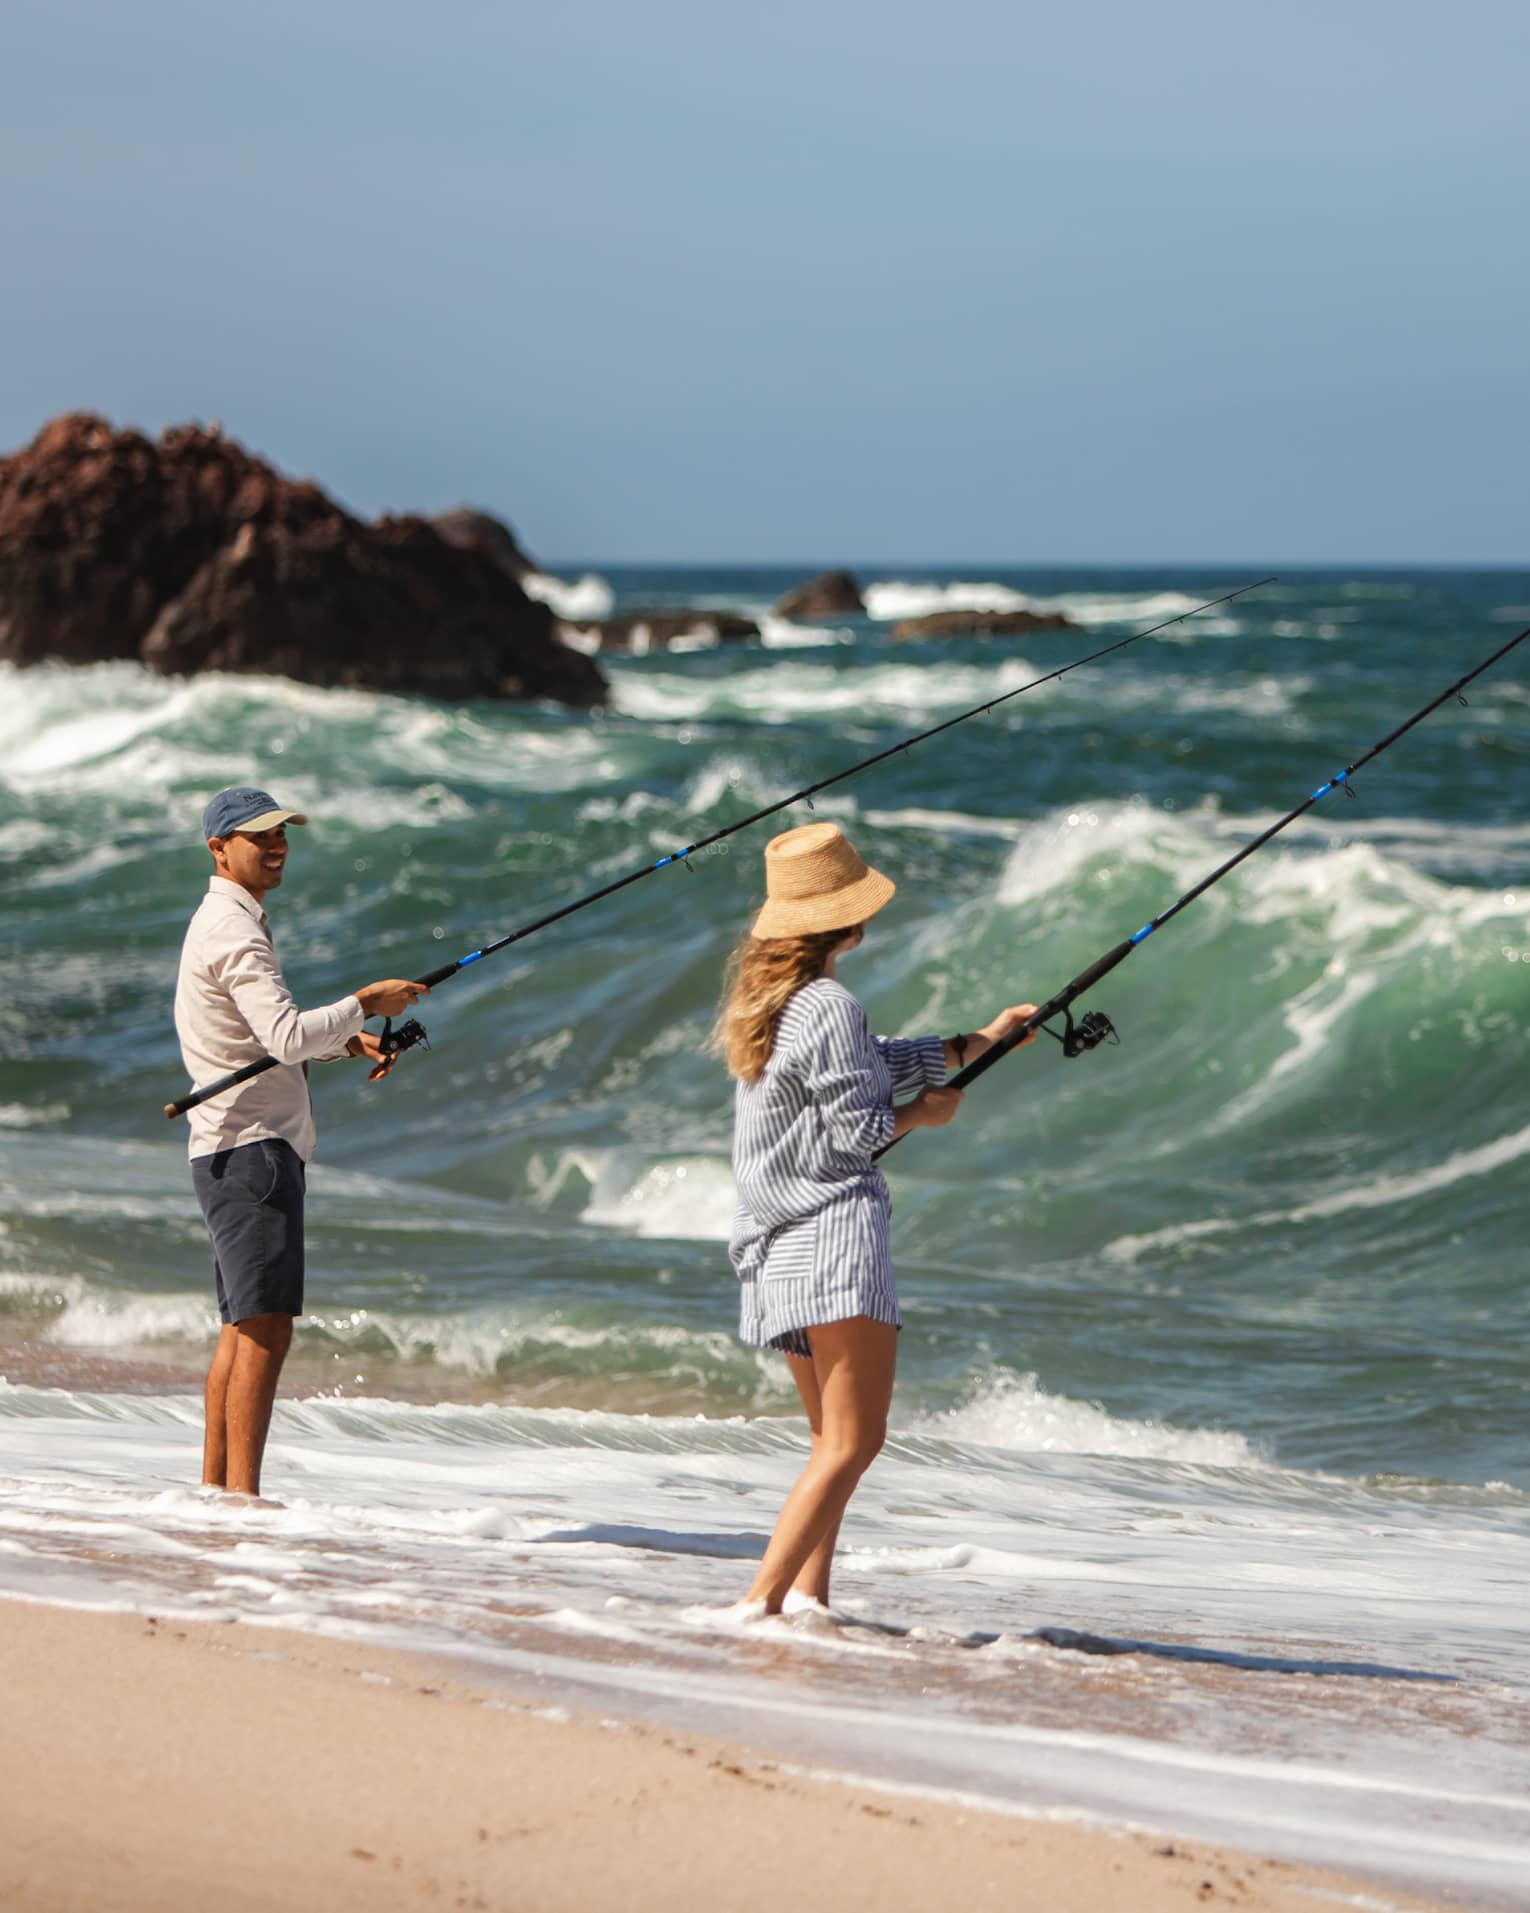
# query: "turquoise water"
[1290,1206]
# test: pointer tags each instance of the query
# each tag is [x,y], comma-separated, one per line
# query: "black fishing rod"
[410,1033]
[1095,1028]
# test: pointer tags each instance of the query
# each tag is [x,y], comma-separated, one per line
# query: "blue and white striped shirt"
[811,1236]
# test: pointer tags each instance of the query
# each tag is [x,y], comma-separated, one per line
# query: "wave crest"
[1015,1411]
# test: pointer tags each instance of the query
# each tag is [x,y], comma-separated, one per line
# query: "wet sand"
[150,1765]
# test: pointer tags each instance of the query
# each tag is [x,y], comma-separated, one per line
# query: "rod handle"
[1054,1007]
[1085,980]
[197,1096]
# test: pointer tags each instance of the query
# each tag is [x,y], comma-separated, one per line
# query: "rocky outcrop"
[832,594]
[473,530]
[191,554]
[643,631]
[980,624]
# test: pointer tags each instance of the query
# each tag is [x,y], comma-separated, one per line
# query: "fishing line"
[1095,1028]
[411,1033]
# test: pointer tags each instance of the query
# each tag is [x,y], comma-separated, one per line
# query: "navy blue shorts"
[252,1198]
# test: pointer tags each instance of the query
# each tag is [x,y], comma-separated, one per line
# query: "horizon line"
[816,567]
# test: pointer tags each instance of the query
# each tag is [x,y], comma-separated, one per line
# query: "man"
[249,1146]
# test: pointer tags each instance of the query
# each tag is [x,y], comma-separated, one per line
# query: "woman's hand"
[1004,1022]
[962,1050]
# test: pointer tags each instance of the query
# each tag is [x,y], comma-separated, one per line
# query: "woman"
[811,1242]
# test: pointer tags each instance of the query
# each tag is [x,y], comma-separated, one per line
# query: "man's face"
[253,858]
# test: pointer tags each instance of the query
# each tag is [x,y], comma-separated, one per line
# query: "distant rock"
[472,530]
[832,594]
[643,631]
[190,554]
[980,624]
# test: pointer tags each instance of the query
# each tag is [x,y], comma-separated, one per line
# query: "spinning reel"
[1092,1029]
[393,1042]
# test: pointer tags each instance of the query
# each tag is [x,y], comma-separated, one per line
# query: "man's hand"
[391,998]
[366,1044]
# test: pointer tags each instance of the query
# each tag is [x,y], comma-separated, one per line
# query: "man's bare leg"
[215,1441]
[261,1347]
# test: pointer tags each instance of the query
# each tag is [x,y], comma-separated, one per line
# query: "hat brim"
[834,910]
[267,820]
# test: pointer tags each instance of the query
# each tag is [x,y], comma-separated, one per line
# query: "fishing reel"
[1092,1029]
[393,1042]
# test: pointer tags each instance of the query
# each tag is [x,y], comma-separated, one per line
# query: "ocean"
[1207,1504]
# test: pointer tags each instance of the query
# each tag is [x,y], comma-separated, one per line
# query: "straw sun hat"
[815,879]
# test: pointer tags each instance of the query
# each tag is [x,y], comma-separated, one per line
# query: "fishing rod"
[409,1034]
[1095,1027]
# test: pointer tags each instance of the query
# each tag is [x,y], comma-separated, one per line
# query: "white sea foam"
[82,1314]
[1255,700]
[32,1115]
[1311,1018]
[1348,891]
[121,733]
[891,599]
[1152,607]
[1015,1411]
[686,1198]
[779,693]
[896,598]
[1052,855]
[589,597]
[74,1313]
[537,1541]
[945,822]
[783,634]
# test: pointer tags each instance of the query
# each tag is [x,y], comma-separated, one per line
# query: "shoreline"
[279,1767]
[510,1566]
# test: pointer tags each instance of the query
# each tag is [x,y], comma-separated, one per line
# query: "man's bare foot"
[210,1491]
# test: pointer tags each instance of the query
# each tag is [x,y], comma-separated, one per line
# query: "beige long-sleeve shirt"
[232,1006]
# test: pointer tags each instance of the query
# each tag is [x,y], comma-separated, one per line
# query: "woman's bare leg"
[813,1576]
[853,1366]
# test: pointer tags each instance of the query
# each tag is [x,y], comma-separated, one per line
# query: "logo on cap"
[243,808]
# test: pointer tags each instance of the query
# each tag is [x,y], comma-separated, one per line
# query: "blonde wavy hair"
[763,975]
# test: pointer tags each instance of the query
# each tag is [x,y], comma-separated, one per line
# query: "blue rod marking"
[463,962]
[1146,931]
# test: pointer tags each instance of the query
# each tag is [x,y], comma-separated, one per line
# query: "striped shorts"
[828,1267]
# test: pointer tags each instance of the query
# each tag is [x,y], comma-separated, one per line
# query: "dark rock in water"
[191,554]
[473,530]
[980,624]
[832,594]
[643,631]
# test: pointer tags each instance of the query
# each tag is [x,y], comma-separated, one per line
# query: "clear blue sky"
[815,281]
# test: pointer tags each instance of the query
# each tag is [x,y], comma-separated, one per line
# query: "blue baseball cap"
[244,809]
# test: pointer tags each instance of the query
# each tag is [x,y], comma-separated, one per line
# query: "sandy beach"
[152,1765]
